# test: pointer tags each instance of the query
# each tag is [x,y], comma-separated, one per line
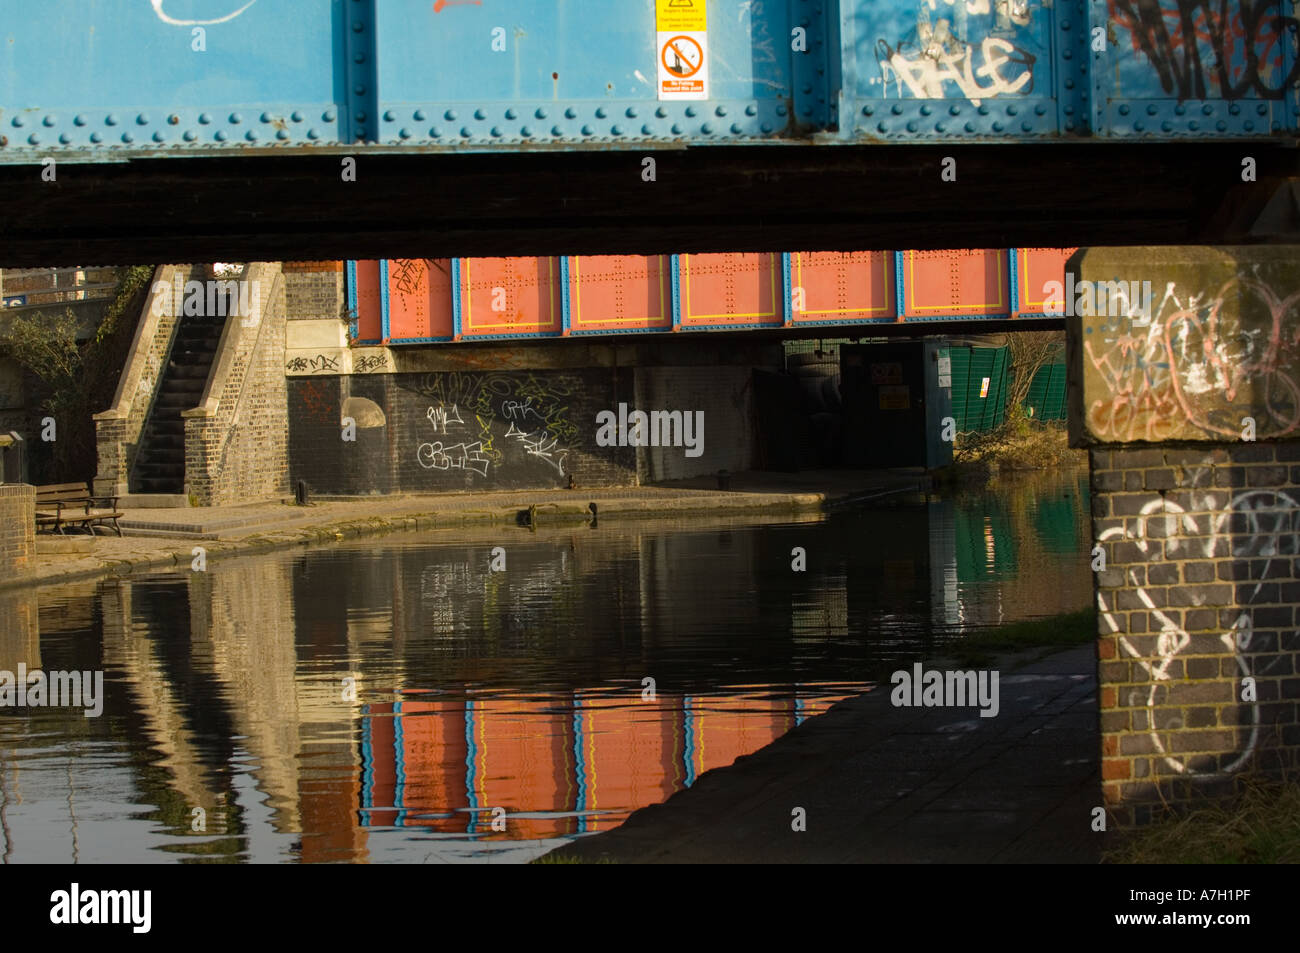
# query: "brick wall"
[17,526]
[236,443]
[1199,593]
[724,394]
[314,289]
[456,431]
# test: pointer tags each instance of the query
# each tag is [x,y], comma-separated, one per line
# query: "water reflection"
[396,700]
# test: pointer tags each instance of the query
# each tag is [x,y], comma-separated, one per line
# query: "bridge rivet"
[1152,109]
[721,110]
[435,132]
[1207,109]
[296,116]
[781,110]
[911,126]
[690,110]
[109,120]
[751,110]
[970,127]
[867,110]
[940,127]
[465,133]
[631,112]
[327,115]
[48,121]
[997,127]
[1069,110]
[79,119]
[616,130]
[221,135]
[358,26]
[449,115]
[896,109]
[1069,84]
[661,113]
[1248,125]
[571,113]
[480,114]
[496,130]
[127,137]
[983,110]
[236,118]
[282,134]
[1261,109]
[174,120]
[540,113]
[1012,109]
[1193,125]
[359,89]
[882,128]
[312,133]
[677,129]
[142,119]
[954,110]
[766,127]
[389,115]
[251,135]
[587,130]
[158,136]
[189,135]
[18,121]
[1040,109]
[647,130]
[600,112]
[925,110]
[526,131]
[204,118]
[511,114]
[707,128]
[404,133]
[735,129]
[1138,125]
[361,117]
[1180,109]
[96,137]
[1234,109]
[557,131]
[34,139]
[418,115]
[1221,126]
[65,138]
[1065,24]
[1067,54]
[1123,109]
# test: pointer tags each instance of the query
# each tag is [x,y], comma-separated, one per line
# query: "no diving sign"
[683,49]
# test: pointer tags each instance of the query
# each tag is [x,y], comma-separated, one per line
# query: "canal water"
[397,699]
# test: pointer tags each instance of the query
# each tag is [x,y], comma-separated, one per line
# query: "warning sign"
[682,42]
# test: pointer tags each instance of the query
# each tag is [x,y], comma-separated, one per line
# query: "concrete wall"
[17,526]
[1199,527]
[236,438]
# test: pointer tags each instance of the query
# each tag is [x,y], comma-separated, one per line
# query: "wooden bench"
[59,505]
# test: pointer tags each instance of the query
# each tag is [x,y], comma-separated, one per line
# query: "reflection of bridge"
[571,763]
[264,102]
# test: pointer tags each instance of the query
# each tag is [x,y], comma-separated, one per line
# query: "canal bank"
[167,537]
[882,784]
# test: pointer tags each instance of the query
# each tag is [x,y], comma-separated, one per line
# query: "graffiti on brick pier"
[1204,361]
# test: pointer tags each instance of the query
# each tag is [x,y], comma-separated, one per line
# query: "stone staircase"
[160,460]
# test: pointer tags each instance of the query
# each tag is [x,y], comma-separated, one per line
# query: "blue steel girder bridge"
[263,129]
